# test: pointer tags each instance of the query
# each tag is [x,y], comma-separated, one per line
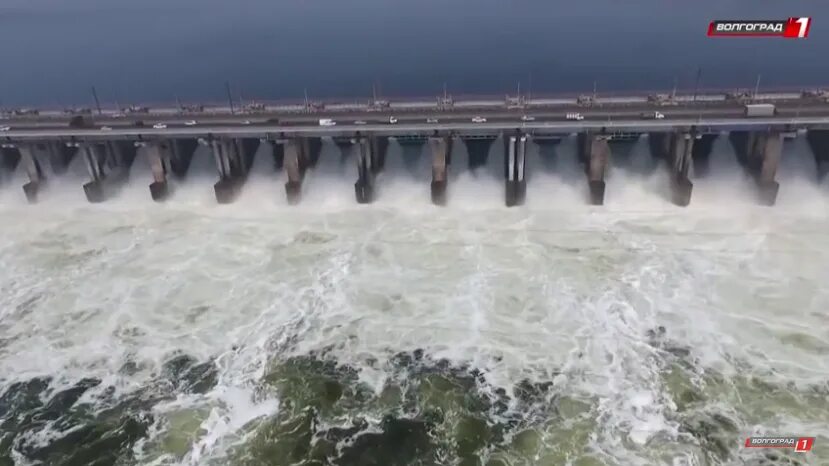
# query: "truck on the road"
[653,116]
[760,110]
[327,122]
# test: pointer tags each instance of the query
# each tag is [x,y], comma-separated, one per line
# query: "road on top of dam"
[427,121]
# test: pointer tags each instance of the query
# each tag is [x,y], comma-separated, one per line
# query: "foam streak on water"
[650,322]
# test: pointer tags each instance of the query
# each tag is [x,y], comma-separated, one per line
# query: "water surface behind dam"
[156,50]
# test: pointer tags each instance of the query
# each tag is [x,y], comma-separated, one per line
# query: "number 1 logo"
[797,28]
[804,444]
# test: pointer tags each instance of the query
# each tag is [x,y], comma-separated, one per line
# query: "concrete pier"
[366,169]
[234,157]
[159,158]
[299,154]
[168,157]
[42,160]
[159,189]
[772,150]
[440,148]
[594,153]
[759,153]
[819,143]
[108,164]
[33,170]
[514,164]
[371,158]
[676,150]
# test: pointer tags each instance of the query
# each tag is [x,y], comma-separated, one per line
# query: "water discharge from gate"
[554,333]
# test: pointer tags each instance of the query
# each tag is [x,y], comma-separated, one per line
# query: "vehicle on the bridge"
[574,116]
[78,111]
[815,94]
[514,102]
[190,123]
[392,120]
[25,112]
[652,116]
[327,122]
[5,128]
[137,109]
[432,121]
[192,108]
[106,128]
[255,107]
[661,99]
[585,100]
[478,119]
[738,96]
[246,122]
[379,104]
[527,118]
[760,110]
[159,126]
[360,122]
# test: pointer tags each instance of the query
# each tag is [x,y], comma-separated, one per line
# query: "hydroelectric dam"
[680,131]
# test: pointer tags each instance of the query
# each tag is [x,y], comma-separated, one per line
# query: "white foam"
[555,285]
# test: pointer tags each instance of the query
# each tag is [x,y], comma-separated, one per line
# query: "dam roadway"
[679,132]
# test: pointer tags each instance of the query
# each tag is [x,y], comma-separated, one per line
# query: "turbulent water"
[400,333]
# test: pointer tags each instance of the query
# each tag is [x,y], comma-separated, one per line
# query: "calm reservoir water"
[155,50]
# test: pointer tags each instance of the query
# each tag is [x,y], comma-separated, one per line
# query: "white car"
[432,121]
[574,116]
[360,122]
[159,126]
[659,116]
[190,123]
[392,120]
[327,122]
[527,118]
[246,122]
[479,120]
[5,128]
[106,128]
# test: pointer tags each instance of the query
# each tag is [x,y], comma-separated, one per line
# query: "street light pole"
[229,97]
[696,85]
[757,86]
[97,102]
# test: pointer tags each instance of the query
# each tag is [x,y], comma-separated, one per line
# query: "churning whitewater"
[400,333]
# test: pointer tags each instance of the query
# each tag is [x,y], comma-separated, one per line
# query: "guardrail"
[253,107]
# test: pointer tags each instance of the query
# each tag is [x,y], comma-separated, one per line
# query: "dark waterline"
[155,50]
